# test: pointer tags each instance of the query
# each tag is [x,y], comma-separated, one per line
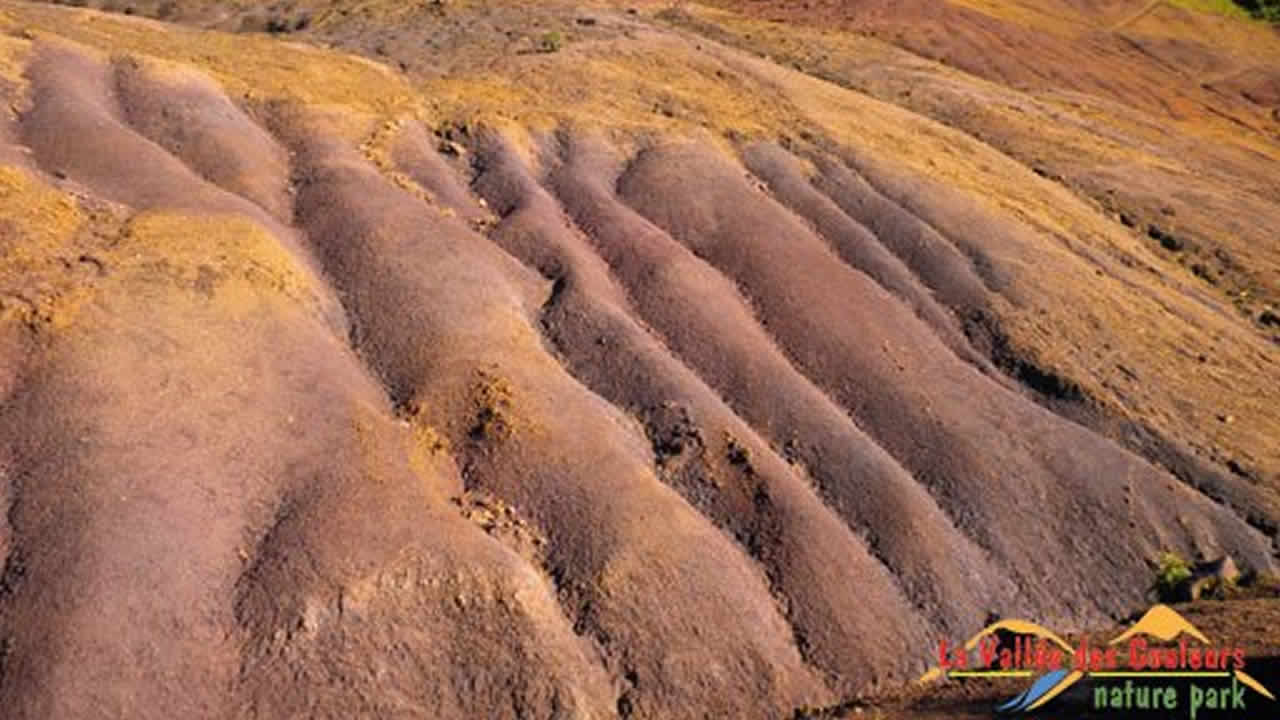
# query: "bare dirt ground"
[501,359]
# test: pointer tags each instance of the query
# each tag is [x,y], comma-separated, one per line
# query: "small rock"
[1211,574]
[1167,240]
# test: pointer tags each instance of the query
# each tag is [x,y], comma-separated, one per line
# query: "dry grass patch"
[252,67]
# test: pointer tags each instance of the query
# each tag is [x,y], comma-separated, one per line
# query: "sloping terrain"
[480,359]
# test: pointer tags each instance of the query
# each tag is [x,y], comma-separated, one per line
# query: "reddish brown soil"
[326,399]
[1098,47]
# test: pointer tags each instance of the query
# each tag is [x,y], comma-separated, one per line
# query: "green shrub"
[1171,572]
[551,42]
[1262,9]
[1257,9]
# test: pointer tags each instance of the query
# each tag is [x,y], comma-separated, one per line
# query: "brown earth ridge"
[583,360]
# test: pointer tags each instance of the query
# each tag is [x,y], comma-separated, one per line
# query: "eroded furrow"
[995,240]
[214,511]
[414,152]
[986,453]
[445,318]
[156,437]
[187,114]
[76,131]
[933,259]
[716,461]
[705,321]
[858,246]
[283,433]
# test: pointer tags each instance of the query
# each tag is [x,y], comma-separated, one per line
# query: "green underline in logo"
[1157,673]
[990,673]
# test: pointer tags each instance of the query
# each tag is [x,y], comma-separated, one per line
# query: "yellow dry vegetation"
[655,83]
[37,262]
[1230,25]
[1145,320]
[650,85]
[14,52]
[426,447]
[51,263]
[1063,19]
[493,396]
[229,256]
[252,67]
[44,216]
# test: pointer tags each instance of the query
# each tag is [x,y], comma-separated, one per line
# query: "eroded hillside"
[481,359]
